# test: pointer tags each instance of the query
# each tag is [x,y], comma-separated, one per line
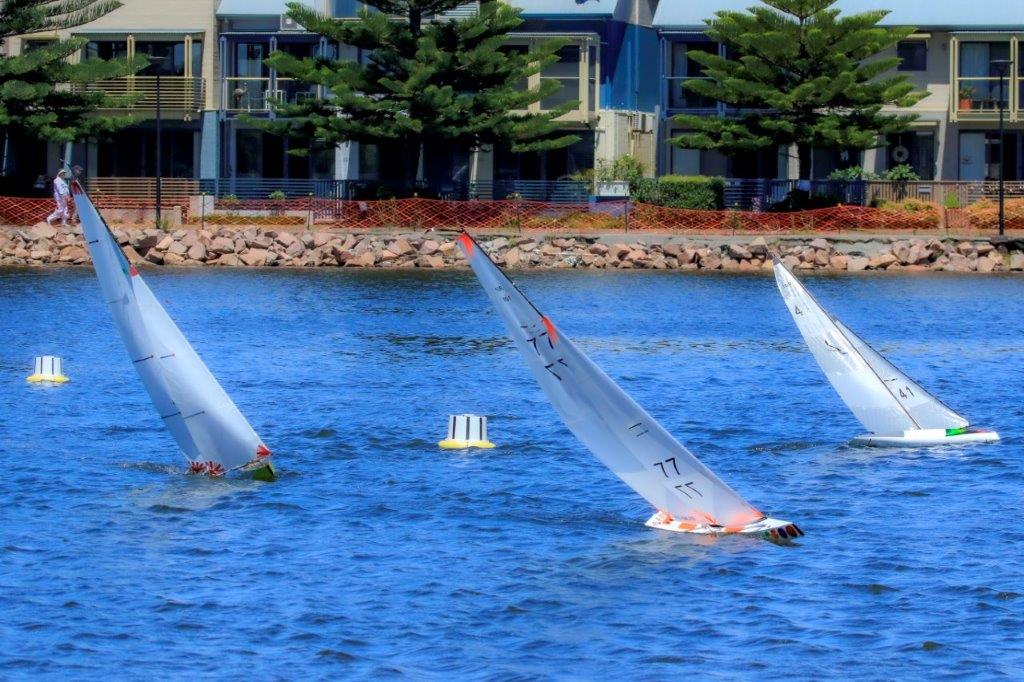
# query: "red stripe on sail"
[467,244]
[262,451]
[551,329]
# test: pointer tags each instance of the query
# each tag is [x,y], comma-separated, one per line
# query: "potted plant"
[966,98]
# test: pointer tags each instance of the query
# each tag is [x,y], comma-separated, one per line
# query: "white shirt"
[60,188]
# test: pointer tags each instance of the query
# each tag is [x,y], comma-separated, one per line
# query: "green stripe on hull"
[265,473]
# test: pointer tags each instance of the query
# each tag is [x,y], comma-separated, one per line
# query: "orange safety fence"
[520,215]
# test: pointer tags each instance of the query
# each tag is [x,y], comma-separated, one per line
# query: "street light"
[158,62]
[1002,68]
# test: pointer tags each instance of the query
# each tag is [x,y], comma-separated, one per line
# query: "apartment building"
[625,61]
[213,73]
[956,54]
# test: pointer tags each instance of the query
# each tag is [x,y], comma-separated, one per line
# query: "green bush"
[951,200]
[682,191]
[277,195]
[852,174]
[902,173]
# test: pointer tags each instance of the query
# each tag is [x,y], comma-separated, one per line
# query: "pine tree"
[799,74]
[38,93]
[423,79]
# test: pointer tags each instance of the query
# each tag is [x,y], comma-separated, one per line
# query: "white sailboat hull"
[925,438]
[767,528]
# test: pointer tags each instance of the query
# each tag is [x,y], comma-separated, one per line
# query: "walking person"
[61,195]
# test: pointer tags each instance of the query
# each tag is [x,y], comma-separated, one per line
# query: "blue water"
[379,555]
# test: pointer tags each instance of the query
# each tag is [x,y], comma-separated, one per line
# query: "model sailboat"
[892,406]
[687,495]
[208,427]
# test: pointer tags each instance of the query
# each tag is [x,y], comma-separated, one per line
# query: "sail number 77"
[684,488]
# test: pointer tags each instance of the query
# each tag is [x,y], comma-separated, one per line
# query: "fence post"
[309,220]
[627,214]
[202,211]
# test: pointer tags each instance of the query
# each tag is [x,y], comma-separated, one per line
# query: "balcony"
[257,95]
[183,96]
[978,99]
[681,99]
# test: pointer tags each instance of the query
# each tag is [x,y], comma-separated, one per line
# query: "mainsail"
[617,430]
[882,398]
[208,427]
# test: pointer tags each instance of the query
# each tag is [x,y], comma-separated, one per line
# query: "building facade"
[214,81]
[625,61]
[955,54]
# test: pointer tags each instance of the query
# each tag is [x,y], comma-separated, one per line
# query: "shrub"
[277,195]
[950,200]
[902,173]
[925,211]
[683,191]
[226,219]
[852,174]
[985,214]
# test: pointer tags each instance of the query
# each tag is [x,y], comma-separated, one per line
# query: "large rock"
[197,252]
[618,251]
[1017,261]
[430,262]
[820,244]
[513,258]
[171,258]
[597,249]
[73,254]
[254,257]
[428,247]
[857,263]
[177,248]
[42,231]
[883,261]
[918,254]
[839,262]
[165,243]
[986,265]
[286,239]
[221,245]
[758,246]
[401,247]
[738,252]
[296,248]
[363,259]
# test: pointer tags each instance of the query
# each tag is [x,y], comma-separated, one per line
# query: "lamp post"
[157,62]
[1001,68]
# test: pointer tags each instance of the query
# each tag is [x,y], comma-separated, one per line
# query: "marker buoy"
[49,369]
[466,431]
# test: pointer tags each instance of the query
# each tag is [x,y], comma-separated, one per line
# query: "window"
[979,86]
[106,49]
[566,71]
[913,55]
[683,68]
[170,56]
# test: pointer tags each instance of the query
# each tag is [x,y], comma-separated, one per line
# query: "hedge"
[681,191]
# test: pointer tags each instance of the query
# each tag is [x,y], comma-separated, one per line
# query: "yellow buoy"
[466,431]
[49,369]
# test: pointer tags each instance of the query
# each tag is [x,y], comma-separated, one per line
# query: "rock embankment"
[45,245]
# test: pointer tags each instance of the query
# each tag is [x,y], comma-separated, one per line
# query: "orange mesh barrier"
[526,216]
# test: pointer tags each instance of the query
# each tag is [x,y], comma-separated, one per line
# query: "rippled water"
[377,554]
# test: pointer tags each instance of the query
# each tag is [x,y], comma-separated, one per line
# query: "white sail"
[882,398]
[617,430]
[208,427]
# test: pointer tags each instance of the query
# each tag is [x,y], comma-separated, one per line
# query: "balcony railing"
[258,94]
[183,95]
[980,98]
[681,98]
